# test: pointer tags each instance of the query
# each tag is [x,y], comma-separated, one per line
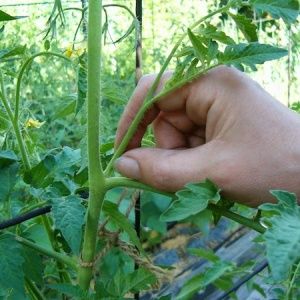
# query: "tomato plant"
[82,239]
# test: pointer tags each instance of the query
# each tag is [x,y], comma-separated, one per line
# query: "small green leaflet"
[207,254]
[11,262]
[111,209]
[68,214]
[81,82]
[283,237]
[10,52]
[288,10]
[199,48]
[191,200]
[210,32]
[121,284]
[250,54]
[6,17]
[246,26]
[199,282]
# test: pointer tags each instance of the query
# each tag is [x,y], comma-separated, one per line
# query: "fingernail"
[128,167]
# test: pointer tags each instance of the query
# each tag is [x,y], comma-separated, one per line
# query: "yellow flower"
[33,123]
[69,51]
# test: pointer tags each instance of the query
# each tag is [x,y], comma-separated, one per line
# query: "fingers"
[174,101]
[170,170]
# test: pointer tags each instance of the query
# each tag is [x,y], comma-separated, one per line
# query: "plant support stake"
[96,177]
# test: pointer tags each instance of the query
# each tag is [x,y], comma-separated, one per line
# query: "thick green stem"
[57,256]
[15,125]
[125,182]
[149,100]
[96,177]
[21,73]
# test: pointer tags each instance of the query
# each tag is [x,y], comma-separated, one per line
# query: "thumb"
[170,170]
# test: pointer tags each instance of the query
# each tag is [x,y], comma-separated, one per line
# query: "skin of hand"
[222,126]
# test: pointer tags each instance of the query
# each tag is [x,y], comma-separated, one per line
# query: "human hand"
[222,126]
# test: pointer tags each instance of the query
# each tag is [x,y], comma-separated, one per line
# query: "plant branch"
[57,256]
[96,176]
[149,99]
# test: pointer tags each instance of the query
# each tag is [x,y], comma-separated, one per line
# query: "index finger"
[172,102]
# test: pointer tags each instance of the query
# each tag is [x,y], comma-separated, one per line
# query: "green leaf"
[193,199]
[288,10]
[6,17]
[8,179]
[199,282]
[204,253]
[66,159]
[250,54]
[111,209]
[203,220]
[70,290]
[5,53]
[66,110]
[33,266]
[7,157]
[199,49]
[68,214]
[246,26]
[41,175]
[122,283]
[11,272]
[210,32]
[4,121]
[81,82]
[140,279]
[283,237]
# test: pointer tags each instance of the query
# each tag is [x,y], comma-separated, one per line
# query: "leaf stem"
[149,99]
[69,261]
[21,73]
[96,176]
[15,125]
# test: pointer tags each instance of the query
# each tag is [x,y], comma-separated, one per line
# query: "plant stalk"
[57,256]
[96,176]
[15,125]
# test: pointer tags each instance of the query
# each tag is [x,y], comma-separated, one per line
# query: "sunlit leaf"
[246,26]
[283,237]
[288,10]
[250,54]
[6,17]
